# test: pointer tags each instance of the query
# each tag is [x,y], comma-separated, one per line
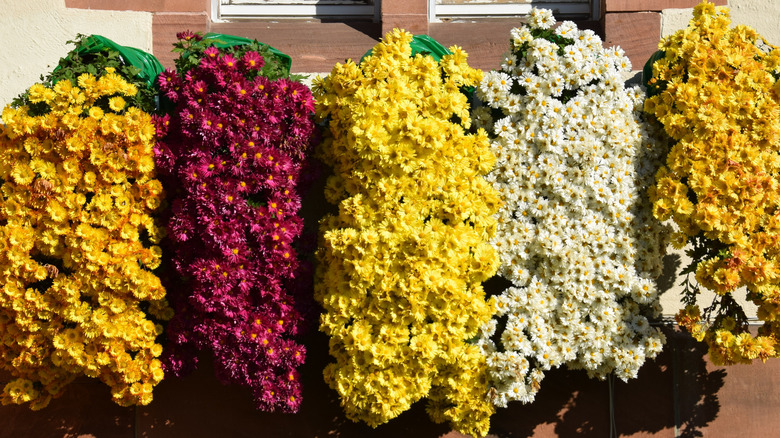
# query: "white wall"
[34,35]
[762,15]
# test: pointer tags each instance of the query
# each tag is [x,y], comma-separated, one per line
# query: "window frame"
[223,13]
[589,10]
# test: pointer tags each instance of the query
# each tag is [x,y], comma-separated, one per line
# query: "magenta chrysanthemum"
[231,154]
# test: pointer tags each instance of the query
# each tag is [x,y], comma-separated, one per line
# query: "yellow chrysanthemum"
[83,283]
[718,103]
[116,103]
[402,262]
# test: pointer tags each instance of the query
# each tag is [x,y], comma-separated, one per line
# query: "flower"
[116,103]
[79,293]
[188,35]
[401,264]
[253,60]
[715,99]
[575,236]
[233,153]
[195,49]
[541,18]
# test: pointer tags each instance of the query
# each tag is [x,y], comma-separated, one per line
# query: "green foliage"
[722,306]
[78,61]
[191,46]
[653,85]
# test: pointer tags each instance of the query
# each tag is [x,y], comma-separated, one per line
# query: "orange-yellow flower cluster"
[719,103]
[402,263]
[78,243]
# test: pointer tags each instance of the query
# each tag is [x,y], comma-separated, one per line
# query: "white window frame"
[437,13]
[221,13]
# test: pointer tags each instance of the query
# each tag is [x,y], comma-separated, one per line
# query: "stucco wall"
[35,32]
[761,15]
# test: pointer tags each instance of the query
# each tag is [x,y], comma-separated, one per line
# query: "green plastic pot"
[146,62]
[424,45]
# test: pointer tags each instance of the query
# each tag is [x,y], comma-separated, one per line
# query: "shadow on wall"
[569,404]
[675,390]
[366,27]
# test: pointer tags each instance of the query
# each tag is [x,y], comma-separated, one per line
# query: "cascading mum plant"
[232,152]
[575,234]
[401,265]
[718,101]
[78,241]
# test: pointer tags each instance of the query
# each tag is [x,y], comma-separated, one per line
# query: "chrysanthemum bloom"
[718,102]
[575,234]
[401,265]
[231,153]
[78,243]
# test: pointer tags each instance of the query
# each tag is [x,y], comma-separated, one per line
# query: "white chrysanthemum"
[544,55]
[541,18]
[494,89]
[510,62]
[521,35]
[575,236]
[566,29]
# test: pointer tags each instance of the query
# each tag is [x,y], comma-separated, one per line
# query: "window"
[237,9]
[457,9]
